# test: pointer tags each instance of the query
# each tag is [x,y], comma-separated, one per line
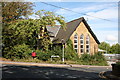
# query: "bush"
[57,51]
[19,52]
[41,55]
[96,59]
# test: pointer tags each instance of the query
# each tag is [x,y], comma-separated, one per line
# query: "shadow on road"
[36,72]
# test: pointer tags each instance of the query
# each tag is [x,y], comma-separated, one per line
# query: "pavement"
[105,74]
[49,65]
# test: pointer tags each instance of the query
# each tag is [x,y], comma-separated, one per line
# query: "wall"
[81,29]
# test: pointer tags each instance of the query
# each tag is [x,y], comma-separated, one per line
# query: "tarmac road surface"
[11,71]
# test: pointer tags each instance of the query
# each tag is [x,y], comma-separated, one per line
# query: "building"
[83,38]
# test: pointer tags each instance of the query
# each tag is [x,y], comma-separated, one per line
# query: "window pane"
[75,36]
[76,50]
[81,46]
[81,50]
[81,41]
[87,50]
[75,46]
[87,46]
[87,42]
[75,41]
[81,37]
[87,37]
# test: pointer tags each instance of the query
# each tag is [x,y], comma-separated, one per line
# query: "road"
[38,72]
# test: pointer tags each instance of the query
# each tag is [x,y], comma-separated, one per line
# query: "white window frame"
[76,42]
[88,44]
[82,44]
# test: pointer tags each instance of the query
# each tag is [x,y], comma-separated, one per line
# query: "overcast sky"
[104,30]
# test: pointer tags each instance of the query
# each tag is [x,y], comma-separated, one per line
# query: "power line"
[75,11]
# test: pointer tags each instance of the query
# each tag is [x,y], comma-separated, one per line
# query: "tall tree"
[15,10]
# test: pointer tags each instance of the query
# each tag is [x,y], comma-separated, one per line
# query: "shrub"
[19,52]
[42,55]
[85,57]
[57,51]
[96,59]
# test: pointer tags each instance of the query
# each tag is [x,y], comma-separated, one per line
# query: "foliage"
[27,31]
[46,55]
[56,51]
[48,18]
[96,59]
[70,53]
[19,52]
[104,46]
[21,32]
[12,11]
[118,63]
[115,49]
[41,55]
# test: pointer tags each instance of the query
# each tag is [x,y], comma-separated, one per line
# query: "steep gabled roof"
[53,30]
[70,28]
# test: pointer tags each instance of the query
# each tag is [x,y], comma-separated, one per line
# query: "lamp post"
[63,42]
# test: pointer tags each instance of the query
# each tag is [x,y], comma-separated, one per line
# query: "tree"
[104,46]
[27,31]
[48,18]
[115,49]
[15,10]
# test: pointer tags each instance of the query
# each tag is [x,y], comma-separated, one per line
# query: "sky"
[102,19]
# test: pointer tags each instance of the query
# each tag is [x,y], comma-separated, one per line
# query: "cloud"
[111,38]
[110,13]
[88,9]
[107,36]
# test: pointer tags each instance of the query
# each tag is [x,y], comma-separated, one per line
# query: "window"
[82,44]
[75,46]
[81,41]
[76,42]
[88,44]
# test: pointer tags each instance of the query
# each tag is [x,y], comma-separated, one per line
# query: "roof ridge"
[76,19]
